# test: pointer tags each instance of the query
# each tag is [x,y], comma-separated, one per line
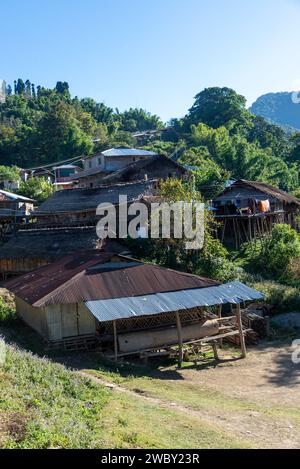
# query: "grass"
[45,405]
[191,395]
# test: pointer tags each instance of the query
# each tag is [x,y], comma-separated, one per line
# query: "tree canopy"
[218,135]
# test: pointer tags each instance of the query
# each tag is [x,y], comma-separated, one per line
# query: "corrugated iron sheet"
[122,308]
[71,280]
[127,152]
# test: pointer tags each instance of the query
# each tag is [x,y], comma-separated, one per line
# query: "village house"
[64,223]
[63,176]
[14,209]
[77,207]
[108,161]
[249,209]
[123,306]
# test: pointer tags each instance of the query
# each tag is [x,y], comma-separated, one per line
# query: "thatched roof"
[263,188]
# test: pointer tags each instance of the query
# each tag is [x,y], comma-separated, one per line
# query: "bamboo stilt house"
[124,306]
[249,209]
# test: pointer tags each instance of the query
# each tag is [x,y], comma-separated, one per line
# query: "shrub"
[7,312]
[275,256]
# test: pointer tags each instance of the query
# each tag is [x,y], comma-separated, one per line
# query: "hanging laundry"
[264,206]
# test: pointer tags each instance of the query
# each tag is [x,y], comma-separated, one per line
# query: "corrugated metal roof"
[122,308]
[12,196]
[71,280]
[127,152]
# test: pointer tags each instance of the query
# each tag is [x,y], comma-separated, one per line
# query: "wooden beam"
[240,328]
[115,340]
[179,332]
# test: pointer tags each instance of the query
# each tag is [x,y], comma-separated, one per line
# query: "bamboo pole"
[115,340]
[179,331]
[240,328]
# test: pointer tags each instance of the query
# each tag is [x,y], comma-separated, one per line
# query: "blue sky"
[154,54]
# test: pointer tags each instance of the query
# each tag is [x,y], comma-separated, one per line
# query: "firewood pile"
[256,328]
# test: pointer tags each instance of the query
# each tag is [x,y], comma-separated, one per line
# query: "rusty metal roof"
[72,280]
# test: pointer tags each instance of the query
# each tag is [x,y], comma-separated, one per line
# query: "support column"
[180,345]
[219,313]
[115,340]
[240,328]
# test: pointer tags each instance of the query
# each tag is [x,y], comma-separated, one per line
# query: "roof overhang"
[124,308]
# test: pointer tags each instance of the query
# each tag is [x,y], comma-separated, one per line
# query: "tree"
[27,89]
[20,87]
[218,107]
[138,120]
[210,261]
[9,173]
[62,87]
[36,188]
[210,178]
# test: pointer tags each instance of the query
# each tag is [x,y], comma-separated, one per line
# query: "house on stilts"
[249,209]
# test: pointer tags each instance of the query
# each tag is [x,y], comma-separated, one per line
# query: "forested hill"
[217,134]
[281,108]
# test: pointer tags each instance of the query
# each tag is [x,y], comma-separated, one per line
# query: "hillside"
[278,108]
[45,405]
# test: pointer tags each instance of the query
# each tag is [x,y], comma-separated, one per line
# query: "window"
[90,164]
[99,161]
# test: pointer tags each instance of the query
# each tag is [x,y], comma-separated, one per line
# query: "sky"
[153,54]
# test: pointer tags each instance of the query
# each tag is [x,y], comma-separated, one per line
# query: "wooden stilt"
[219,313]
[180,345]
[215,349]
[240,328]
[115,340]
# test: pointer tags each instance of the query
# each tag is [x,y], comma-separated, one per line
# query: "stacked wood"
[254,325]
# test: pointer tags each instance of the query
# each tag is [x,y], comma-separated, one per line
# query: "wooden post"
[215,350]
[115,340]
[219,312]
[240,328]
[179,332]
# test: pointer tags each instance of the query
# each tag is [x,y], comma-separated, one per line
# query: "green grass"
[45,405]
[191,395]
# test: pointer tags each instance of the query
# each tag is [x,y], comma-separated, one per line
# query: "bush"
[281,297]
[7,312]
[276,256]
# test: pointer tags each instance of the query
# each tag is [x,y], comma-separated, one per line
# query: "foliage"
[212,260]
[218,134]
[209,174]
[7,311]
[36,188]
[281,297]
[9,173]
[273,256]
[218,107]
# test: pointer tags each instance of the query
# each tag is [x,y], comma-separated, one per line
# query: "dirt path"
[268,377]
